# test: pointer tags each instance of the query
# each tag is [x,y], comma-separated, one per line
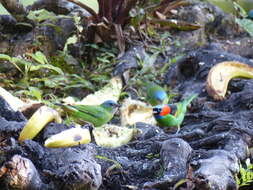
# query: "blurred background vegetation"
[226,5]
[91,3]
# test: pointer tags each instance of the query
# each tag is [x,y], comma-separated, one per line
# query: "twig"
[87,8]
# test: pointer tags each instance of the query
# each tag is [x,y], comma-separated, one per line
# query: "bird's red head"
[165,110]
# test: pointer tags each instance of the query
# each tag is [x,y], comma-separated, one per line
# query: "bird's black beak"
[57,104]
[156,111]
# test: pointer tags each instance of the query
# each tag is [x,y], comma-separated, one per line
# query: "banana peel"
[26,107]
[113,136]
[220,75]
[133,111]
[39,120]
[69,137]
[14,102]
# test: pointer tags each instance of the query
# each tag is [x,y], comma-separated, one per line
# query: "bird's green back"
[153,91]
[97,115]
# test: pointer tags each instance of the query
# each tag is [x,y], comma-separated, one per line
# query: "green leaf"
[118,165]
[58,29]
[99,77]
[103,60]
[70,40]
[50,83]
[46,66]
[245,176]
[41,15]
[5,57]
[35,92]
[15,61]
[176,24]
[39,57]
[78,81]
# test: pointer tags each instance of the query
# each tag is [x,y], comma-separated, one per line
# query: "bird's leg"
[91,124]
[178,129]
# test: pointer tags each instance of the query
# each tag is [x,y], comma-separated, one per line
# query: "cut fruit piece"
[39,119]
[69,137]
[113,136]
[220,75]
[133,111]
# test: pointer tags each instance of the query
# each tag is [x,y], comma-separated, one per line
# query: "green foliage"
[243,21]
[40,77]
[70,40]
[33,92]
[51,78]
[152,156]
[41,15]
[116,164]
[102,60]
[91,3]
[245,176]
[25,67]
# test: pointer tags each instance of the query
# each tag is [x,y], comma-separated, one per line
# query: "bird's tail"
[144,84]
[188,100]
[67,108]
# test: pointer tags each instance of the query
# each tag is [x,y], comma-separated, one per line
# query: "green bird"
[156,95]
[94,114]
[172,115]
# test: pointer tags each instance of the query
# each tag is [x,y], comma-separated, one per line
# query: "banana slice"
[220,75]
[39,120]
[69,137]
[133,111]
[113,136]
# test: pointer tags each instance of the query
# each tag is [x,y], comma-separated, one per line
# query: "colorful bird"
[172,115]
[250,14]
[94,114]
[156,95]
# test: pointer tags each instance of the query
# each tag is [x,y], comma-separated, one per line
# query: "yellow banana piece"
[220,75]
[39,119]
[69,137]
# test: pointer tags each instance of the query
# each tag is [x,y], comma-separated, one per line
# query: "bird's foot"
[178,129]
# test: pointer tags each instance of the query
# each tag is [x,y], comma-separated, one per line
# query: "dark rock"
[147,131]
[20,173]
[175,154]
[72,168]
[7,113]
[214,169]
[129,60]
